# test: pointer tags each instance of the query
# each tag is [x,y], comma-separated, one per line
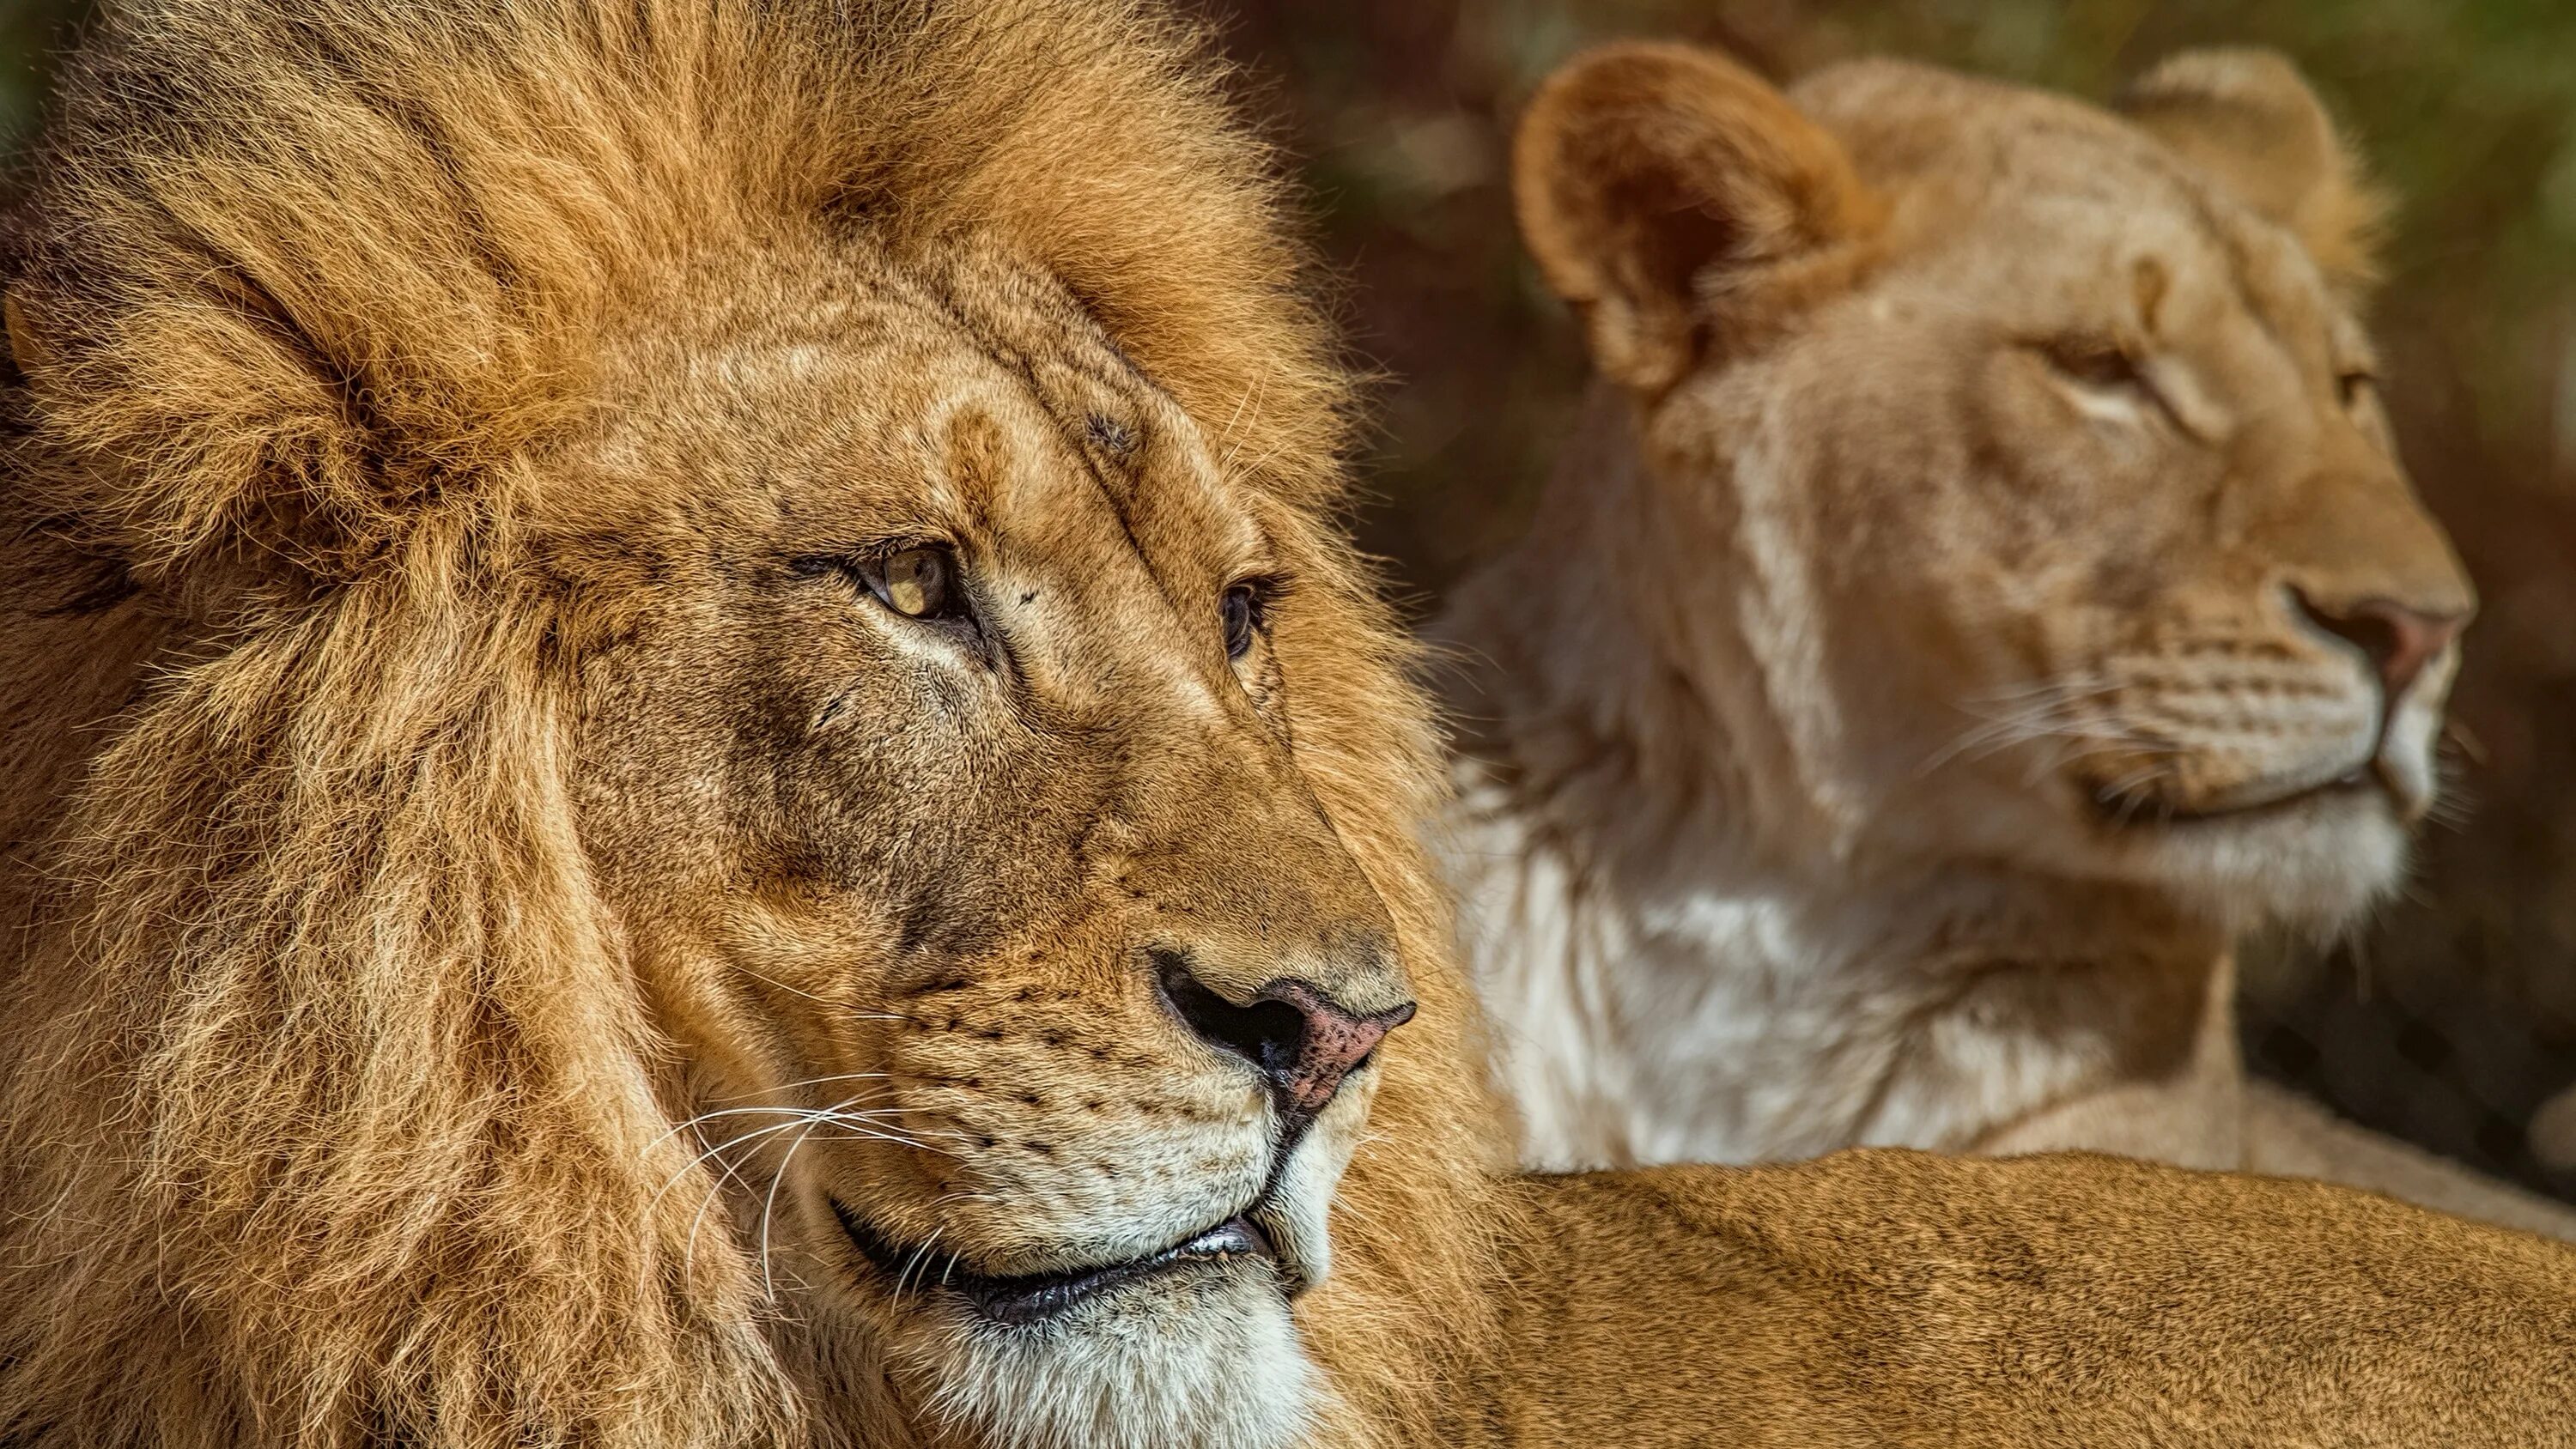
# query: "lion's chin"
[1205,1357]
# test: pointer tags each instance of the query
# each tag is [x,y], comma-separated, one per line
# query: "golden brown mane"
[332,1116]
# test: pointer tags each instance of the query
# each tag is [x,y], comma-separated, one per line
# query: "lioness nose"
[1303,1041]
[2397,640]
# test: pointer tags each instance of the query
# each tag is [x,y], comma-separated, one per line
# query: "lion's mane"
[331,1115]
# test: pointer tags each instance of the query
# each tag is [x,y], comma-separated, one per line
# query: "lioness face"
[2119,565]
[935,760]
[2028,492]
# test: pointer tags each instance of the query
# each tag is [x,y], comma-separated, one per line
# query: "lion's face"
[934,755]
[2075,535]
[750,775]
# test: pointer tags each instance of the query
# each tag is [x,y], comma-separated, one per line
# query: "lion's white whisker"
[769,1209]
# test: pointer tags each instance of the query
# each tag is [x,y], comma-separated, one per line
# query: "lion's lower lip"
[1035,1297]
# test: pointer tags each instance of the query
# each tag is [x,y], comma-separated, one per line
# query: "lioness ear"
[2251,120]
[1668,194]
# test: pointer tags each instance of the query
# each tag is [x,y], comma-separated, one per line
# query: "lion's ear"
[1669,194]
[2250,119]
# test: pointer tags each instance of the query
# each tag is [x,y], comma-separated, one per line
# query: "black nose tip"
[1303,1041]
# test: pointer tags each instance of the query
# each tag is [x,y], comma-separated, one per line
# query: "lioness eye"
[2353,386]
[2095,363]
[1241,610]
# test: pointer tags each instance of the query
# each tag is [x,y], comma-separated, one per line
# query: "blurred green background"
[2451,1015]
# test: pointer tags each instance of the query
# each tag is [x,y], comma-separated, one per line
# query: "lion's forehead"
[844,405]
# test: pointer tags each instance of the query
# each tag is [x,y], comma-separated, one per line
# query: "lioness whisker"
[2035,711]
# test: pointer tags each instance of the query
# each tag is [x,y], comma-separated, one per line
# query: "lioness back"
[1882,1299]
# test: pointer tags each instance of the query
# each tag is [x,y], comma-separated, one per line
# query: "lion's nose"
[2397,640]
[1303,1040]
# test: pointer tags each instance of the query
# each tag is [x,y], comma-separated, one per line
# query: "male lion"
[1996,588]
[690,762]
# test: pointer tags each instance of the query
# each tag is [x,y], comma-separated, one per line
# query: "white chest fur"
[1736,1018]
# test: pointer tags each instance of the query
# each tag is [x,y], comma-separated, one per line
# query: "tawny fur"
[447,765]
[334,1110]
[1834,734]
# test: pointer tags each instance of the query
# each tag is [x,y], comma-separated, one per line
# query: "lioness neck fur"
[1985,585]
[690,761]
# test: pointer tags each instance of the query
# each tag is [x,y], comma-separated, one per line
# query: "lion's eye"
[2354,385]
[920,583]
[1241,611]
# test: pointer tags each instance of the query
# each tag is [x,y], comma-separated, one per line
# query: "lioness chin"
[690,761]
[1990,586]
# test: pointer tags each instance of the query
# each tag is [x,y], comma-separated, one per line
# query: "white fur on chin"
[2317,868]
[1208,1362]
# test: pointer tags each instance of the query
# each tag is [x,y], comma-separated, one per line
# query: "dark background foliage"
[2450,1016]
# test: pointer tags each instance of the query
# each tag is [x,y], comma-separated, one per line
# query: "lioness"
[1992,587]
[690,762]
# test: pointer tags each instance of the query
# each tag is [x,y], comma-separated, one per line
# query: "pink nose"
[1331,1043]
[2397,640]
[1303,1041]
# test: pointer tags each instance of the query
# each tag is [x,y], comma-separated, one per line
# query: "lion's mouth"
[1027,1298]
